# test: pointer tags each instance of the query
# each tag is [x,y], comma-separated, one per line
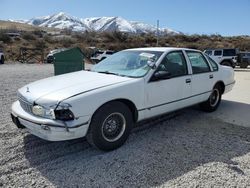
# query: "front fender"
[87,103]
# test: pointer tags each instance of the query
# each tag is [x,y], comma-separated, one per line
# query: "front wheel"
[110,126]
[213,101]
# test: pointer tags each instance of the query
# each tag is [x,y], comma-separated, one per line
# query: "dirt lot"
[193,149]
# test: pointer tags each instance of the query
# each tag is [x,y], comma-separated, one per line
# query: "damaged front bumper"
[48,129]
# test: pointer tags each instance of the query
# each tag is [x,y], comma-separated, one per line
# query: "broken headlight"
[62,112]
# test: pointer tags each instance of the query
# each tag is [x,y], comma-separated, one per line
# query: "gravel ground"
[191,149]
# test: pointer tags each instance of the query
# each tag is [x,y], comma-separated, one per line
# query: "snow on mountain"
[101,24]
[143,27]
[60,21]
[98,24]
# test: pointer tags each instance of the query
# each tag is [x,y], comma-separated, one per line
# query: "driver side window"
[174,63]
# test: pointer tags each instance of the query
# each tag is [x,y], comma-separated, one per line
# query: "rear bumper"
[229,87]
[45,128]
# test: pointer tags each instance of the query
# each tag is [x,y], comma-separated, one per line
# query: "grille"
[26,106]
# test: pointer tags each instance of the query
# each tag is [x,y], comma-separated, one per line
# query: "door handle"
[211,76]
[188,80]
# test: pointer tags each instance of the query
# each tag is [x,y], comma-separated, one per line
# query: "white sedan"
[104,103]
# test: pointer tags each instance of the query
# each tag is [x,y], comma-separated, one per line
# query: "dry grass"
[7,25]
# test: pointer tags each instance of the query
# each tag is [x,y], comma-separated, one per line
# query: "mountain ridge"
[63,20]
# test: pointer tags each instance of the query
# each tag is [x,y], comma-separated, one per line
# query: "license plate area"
[17,122]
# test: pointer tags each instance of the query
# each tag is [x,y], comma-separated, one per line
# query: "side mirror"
[161,75]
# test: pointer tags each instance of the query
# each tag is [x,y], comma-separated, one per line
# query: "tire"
[243,65]
[2,60]
[110,126]
[226,63]
[213,101]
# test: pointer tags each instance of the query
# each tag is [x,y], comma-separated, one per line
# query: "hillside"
[47,39]
[10,25]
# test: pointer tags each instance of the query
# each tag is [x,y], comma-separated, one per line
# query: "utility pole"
[157,33]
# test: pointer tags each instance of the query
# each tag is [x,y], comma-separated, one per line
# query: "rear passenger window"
[198,62]
[217,52]
[213,63]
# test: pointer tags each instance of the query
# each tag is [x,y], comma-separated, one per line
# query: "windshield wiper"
[107,72]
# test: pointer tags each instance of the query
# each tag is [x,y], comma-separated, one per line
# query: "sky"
[224,17]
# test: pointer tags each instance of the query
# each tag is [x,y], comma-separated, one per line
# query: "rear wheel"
[243,65]
[213,101]
[110,126]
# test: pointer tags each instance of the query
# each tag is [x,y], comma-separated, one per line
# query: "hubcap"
[214,97]
[113,127]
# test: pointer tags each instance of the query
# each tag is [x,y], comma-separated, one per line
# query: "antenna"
[157,33]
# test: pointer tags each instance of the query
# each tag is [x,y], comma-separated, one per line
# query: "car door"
[217,56]
[202,77]
[167,94]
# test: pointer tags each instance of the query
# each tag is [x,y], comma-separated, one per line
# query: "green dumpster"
[68,60]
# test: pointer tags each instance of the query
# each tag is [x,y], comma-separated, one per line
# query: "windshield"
[127,63]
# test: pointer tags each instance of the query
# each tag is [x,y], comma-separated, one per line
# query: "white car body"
[87,91]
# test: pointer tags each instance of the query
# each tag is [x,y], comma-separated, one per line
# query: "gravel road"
[191,149]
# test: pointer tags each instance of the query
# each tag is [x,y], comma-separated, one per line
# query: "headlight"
[38,110]
[43,112]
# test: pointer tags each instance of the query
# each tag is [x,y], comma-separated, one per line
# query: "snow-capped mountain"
[99,24]
[59,21]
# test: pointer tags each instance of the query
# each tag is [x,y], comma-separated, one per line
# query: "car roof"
[159,49]
[221,49]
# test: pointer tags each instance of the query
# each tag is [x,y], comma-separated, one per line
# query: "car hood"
[61,87]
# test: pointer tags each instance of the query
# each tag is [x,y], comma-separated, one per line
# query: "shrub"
[5,38]
[40,44]
[28,36]
[38,33]
[66,42]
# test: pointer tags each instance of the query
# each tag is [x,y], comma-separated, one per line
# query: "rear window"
[229,52]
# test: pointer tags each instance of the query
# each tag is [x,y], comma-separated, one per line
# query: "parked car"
[244,59]
[106,102]
[223,56]
[50,56]
[1,57]
[100,55]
